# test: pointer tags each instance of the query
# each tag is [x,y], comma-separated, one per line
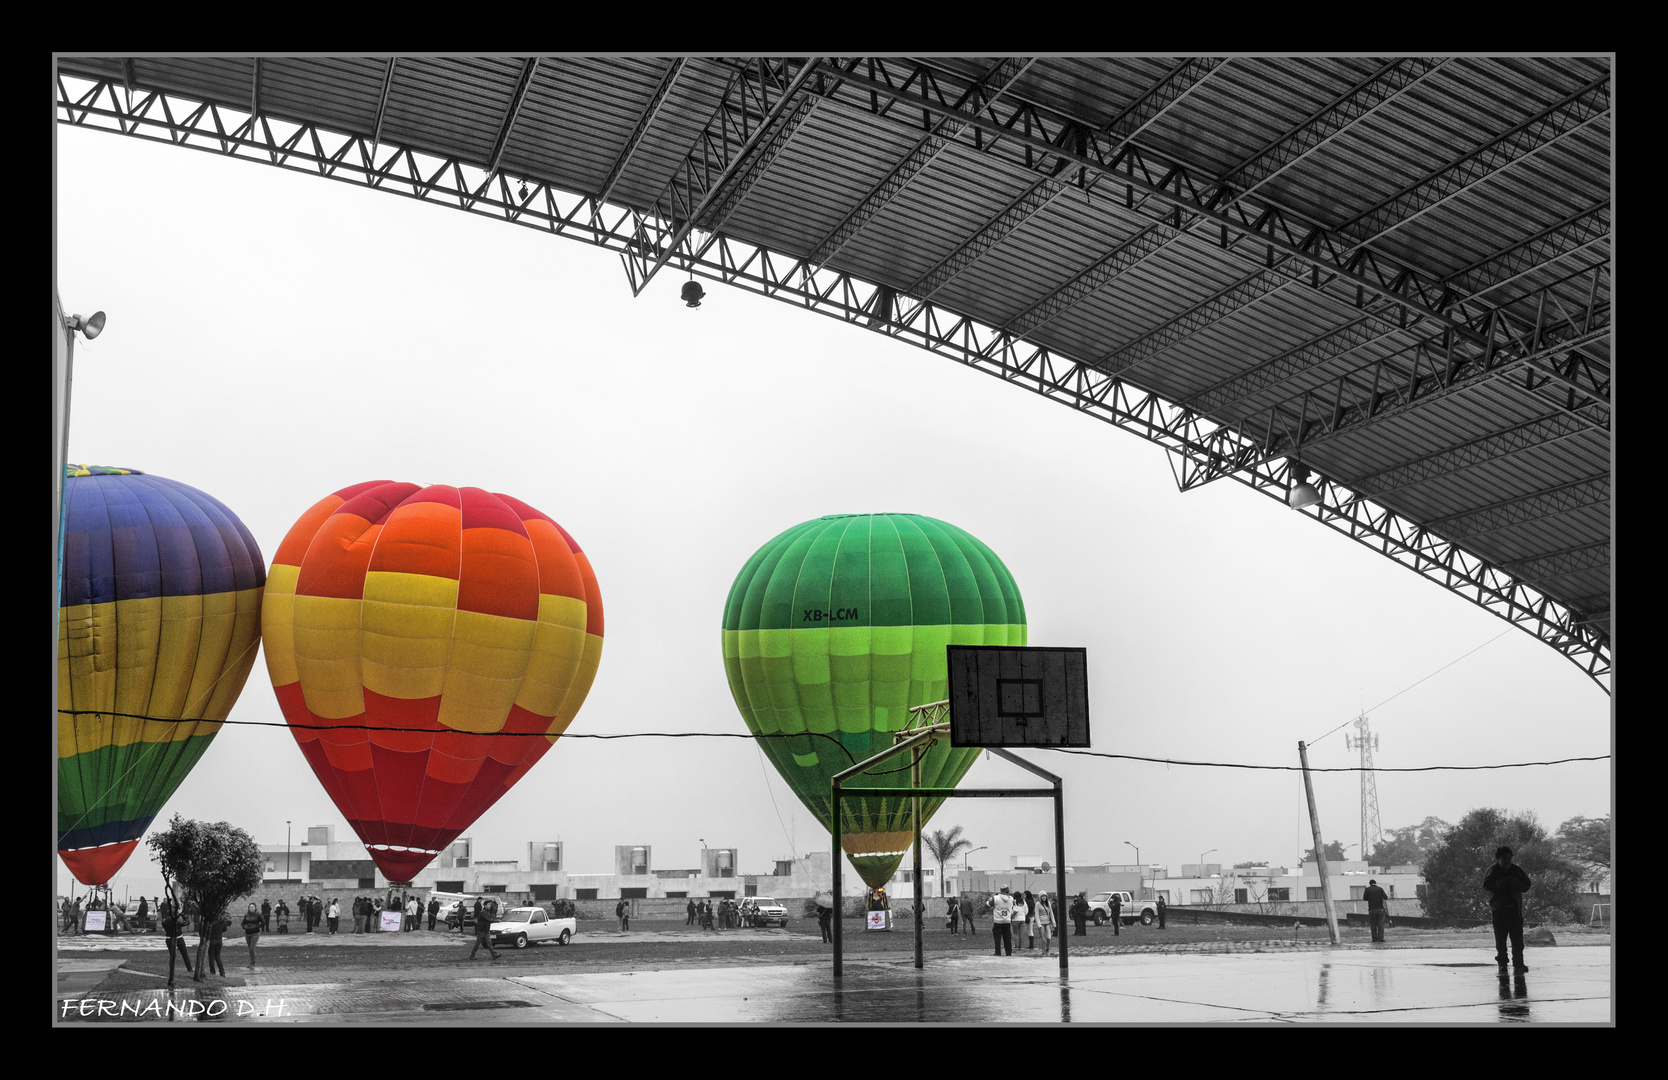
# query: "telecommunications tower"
[1367,742]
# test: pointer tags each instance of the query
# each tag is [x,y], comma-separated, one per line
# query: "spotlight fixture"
[89,326]
[692,293]
[1302,492]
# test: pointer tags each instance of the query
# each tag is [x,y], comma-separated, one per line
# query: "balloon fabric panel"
[468,618]
[159,618]
[836,628]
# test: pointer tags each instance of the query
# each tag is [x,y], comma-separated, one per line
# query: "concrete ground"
[1256,982]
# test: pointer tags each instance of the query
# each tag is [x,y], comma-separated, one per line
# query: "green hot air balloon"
[834,630]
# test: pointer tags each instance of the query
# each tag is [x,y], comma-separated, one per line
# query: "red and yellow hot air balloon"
[427,645]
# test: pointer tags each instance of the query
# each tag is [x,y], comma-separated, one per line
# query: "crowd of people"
[726,914]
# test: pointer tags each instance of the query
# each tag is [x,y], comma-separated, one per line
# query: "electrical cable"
[1405,689]
[823,735]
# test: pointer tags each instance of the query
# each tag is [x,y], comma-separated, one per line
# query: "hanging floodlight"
[89,326]
[1302,492]
[692,293]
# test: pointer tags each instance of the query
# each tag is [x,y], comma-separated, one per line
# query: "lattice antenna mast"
[1366,743]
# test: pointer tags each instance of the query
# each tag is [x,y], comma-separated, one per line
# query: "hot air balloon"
[834,630]
[427,645]
[159,620]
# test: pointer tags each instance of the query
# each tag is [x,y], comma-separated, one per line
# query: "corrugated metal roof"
[1489,175]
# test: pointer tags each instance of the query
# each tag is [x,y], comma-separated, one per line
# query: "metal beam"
[1044,142]
[1546,431]
[1571,113]
[1555,564]
[990,86]
[1153,103]
[382,106]
[645,120]
[1192,438]
[511,112]
[1547,502]
[1570,236]
[728,157]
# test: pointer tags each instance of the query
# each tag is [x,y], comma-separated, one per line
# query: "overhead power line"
[804,735]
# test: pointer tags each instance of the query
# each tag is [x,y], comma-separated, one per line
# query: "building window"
[445,886]
[1278,894]
[722,894]
[1419,890]
[1239,896]
[584,894]
[495,888]
[544,892]
[676,895]
[1201,896]
[1392,889]
[1315,893]
[634,894]
[368,883]
[1356,892]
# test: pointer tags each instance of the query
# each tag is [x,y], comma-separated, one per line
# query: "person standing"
[251,932]
[413,912]
[1001,921]
[1505,885]
[140,916]
[1080,914]
[1021,916]
[953,914]
[216,935]
[266,915]
[483,933]
[689,910]
[283,913]
[825,920]
[434,911]
[620,911]
[1116,906]
[334,914]
[175,933]
[967,915]
[1376,912]
[1161,910]
[1044,921]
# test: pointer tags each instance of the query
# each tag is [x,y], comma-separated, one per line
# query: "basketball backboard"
[1009,696]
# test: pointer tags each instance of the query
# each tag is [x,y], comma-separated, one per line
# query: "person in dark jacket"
[1376,911]
[1505,885]
[825,921]
[216,934]
[434,911]
[251,933]
[174,930]
[266,915]
[1080,914]
[1116,906]
[1162,907]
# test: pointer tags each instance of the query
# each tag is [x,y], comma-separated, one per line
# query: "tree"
[1334,853]
[944,846]
[1455,868]
[1409,846]
[1586,842]
[212,865]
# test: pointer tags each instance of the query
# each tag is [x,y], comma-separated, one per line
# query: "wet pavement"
[1568,985]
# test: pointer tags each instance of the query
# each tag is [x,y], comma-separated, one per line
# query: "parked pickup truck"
[526,926]
[764,910]
[1130,910]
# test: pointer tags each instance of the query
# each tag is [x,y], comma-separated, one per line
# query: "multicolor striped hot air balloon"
[159,620]
[427,645]
[839,626]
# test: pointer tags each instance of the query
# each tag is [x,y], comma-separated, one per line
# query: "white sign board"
[95,922]
[877,920]
[391,921]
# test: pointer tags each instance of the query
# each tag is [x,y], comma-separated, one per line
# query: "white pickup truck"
[1129,910]
[526,926]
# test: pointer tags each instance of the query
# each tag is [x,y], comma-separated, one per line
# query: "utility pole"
[1366,742]
[1320,848]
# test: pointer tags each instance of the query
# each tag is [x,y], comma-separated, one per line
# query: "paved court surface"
[1568,985]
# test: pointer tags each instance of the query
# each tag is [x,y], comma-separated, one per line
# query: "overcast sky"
[274,337]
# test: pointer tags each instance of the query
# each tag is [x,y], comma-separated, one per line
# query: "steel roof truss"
[644,121]
[1547,502]
[1198,441]
[1331,256]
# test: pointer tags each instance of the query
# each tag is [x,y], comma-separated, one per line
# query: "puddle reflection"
[1514,994]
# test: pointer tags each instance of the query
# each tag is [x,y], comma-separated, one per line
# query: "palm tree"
[944,846]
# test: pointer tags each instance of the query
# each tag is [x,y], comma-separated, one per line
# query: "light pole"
[1137,852]
[965,854]
[1202,861]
